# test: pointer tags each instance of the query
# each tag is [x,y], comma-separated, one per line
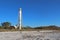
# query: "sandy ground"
[30,35]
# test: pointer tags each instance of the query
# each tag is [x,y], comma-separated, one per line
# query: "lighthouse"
[20,19]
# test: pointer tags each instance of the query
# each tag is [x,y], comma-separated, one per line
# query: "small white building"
[15,27]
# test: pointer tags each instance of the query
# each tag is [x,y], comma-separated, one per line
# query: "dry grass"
[7,30]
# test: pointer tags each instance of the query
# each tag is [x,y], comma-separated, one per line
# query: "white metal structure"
[20,18]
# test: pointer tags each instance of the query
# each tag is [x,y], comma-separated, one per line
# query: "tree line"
[8,25]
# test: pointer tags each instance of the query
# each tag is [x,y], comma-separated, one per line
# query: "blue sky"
[34,12]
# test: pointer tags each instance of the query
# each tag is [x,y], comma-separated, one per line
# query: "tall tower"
[20,19]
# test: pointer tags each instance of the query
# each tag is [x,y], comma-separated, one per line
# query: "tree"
[6,25]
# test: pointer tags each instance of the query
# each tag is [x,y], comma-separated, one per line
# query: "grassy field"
[7,30]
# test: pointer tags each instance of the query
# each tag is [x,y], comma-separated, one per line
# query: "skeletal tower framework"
[20,19]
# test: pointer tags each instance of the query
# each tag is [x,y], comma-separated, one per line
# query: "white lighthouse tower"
[20,19]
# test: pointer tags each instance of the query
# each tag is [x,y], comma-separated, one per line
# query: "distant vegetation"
[7,26]
[51,27]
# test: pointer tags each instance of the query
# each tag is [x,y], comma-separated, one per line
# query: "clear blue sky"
[35,12]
